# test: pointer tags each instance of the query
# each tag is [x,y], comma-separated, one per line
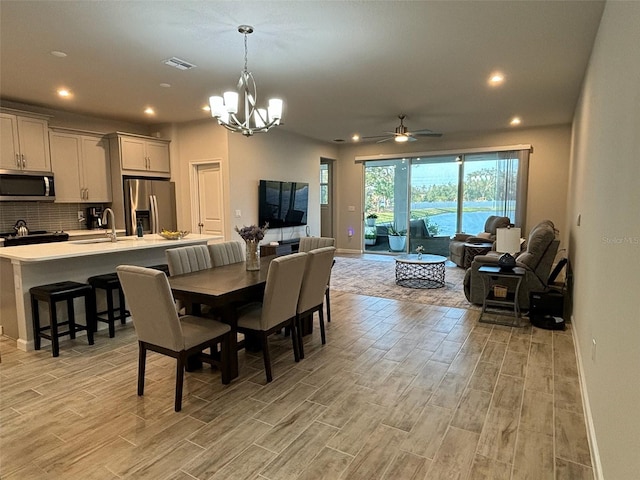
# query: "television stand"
[285,247]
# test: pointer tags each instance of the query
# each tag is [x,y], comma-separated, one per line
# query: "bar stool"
[109,282]
[57,292]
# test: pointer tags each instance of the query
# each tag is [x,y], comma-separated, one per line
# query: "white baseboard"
[586,406]
[348,250]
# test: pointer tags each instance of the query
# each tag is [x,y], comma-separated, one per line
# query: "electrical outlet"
[80,215]
[238,213]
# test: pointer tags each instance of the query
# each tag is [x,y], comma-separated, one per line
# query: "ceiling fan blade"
[374,137]
[426,134]
[411,138]
[385,139]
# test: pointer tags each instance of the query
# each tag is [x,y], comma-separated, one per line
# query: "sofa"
[457,248]
[537,260]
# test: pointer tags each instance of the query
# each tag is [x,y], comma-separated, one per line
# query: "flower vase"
[253,255]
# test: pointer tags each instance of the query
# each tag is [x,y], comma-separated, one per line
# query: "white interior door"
[210,199]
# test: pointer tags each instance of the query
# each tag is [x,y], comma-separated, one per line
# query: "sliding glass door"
[434,203]
[489,188]
[386,205]
[429,199]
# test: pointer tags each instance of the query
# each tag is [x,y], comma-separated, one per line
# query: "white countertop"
[86,233]
[78,248]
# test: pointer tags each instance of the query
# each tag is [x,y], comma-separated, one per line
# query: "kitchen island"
[27,266]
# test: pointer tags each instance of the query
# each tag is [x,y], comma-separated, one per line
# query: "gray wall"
[604,190]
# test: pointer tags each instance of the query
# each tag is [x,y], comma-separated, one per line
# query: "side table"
[473,249]
[490,277]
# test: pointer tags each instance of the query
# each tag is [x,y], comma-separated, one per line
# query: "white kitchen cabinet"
[80,163]
[24,144]
[143,155]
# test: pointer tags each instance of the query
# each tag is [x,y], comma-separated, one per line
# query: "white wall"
[604,189]
[276,155]
[548,173]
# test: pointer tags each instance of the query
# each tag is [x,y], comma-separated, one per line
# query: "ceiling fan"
[402,134]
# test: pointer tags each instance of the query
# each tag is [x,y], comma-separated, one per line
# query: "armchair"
[537,261]
[457,248]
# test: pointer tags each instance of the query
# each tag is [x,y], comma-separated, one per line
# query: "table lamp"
[508,243]
[508,240]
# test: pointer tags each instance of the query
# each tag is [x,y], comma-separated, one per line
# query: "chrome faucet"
[111,235]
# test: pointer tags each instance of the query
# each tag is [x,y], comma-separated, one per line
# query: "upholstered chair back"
[541,249]
[226,253]
[151,305]
[316,277]
[493,223]
[311,243]
[188,259]
[282,289]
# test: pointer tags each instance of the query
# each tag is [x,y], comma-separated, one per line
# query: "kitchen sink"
[102,240]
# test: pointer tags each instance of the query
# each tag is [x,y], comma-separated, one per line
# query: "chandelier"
[225,109]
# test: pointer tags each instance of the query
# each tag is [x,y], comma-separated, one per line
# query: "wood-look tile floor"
[400,391]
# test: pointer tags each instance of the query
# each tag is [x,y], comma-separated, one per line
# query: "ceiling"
[342,67]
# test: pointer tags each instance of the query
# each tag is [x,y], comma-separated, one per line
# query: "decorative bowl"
[173,235]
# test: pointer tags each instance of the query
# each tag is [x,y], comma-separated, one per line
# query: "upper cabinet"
[141,156]
[24,144]
[80,163]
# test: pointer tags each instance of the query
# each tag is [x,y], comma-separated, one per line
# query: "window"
[324,184]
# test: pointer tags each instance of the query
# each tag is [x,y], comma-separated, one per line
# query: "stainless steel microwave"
[17,185]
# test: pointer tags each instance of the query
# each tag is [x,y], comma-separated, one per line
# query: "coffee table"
[420,271]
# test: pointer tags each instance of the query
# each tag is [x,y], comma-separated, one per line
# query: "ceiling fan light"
[231,101]
[401,138]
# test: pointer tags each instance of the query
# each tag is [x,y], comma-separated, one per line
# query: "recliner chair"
[537,261]
[457,248]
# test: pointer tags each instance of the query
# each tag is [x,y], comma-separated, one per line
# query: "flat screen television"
[283,204]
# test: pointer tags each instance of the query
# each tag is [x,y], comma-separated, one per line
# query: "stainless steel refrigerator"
[152,202]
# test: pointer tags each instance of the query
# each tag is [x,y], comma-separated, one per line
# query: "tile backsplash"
[43,216]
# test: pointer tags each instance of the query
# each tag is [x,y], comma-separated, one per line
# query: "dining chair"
[159,328]
[311,243]
[188,259]
[278,306]
[226,253]
[312,290]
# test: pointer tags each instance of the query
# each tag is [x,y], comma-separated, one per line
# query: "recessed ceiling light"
[58,53]
[515,121]
[496,79]
[64,93]
[355,137]
[165,85]
[149,111]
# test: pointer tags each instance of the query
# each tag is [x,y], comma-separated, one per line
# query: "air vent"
[179,63]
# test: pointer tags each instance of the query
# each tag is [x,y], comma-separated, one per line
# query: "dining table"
[224,289]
